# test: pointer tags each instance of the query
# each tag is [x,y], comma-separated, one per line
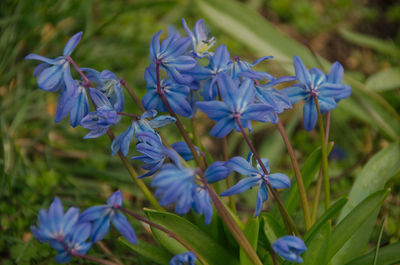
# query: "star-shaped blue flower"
[170,55]
[255,177]
[103,215]
[175,93]
[313,83]
[201,40]
[237,104]
[290,248]
[53,74]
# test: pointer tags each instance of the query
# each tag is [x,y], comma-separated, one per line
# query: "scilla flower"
[290,248]
[53,74]
[314,84]
[187,258]
[102,216]
[237,104]
[201,40]
[170,55]
[255,177]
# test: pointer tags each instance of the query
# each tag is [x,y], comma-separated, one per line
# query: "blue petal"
[38,57]
[155,44]
[179,104]
[336,73]
[215,110]
[309,114]
[279,181]
[71,44]
[216,172]
[183,150]
[39,69]
[242,186]
[69,220]
[149,114]
[295,93]
[223,127]
[302,74]
[64,105]
[100,228]
[96,133]
[99,99]
[62,257]
[122,142]
[228,89]
[115,198]
[245,94]
[81,232]
[326,104]
[221,57]
[242,166]
[257,112]
[262,196]
[70,84]
[80,108]
[93,213]
[51,78]
[289,248]
[124,227]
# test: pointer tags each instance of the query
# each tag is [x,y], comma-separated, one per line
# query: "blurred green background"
[41,159]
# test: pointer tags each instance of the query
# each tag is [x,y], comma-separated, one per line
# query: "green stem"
[288,221]
[324,150]
[299,177]
[147,193]
[231,223]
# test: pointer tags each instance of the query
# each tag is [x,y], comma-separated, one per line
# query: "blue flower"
[154,152]
[74,243]
[312,83]
[216,171]
[109,85]
[77,107]
[187,258]
[277,99]
[100,120]
[201,40]
[176,94]
[170,55]
[290,248]
[219,63]
[240,68]
[175,184]
[54,225]
[53,74]
[123,141]
[255,177]
[237,104]
[102,216]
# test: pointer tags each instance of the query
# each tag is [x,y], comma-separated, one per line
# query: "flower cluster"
[68,232]
[184,75]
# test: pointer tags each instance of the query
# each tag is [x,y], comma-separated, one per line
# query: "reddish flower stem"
[132,94]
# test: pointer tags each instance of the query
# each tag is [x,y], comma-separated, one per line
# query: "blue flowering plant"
[202,186]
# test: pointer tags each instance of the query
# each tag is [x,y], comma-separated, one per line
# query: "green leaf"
[308,171]
[379,169]
[251,232]
[328,214]
[147,250]
[208,248]
[272,229]
[387,79]
[388,255]
[363,40]
[318,245]
[344,230]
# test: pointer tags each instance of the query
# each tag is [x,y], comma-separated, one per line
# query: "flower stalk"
[299,177]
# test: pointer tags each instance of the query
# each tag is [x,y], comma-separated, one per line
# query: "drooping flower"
[77,107]
[75,243]
[237,104]
[100,120]
[175,93]
[108,84]
[290,248]
[170,55]
[241,68]
[201,40]
[123,141]
[313,83]
[153,152]
[255,177]
[53,74]
[188,258]
[103,215]
[219,63]
[175,184]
